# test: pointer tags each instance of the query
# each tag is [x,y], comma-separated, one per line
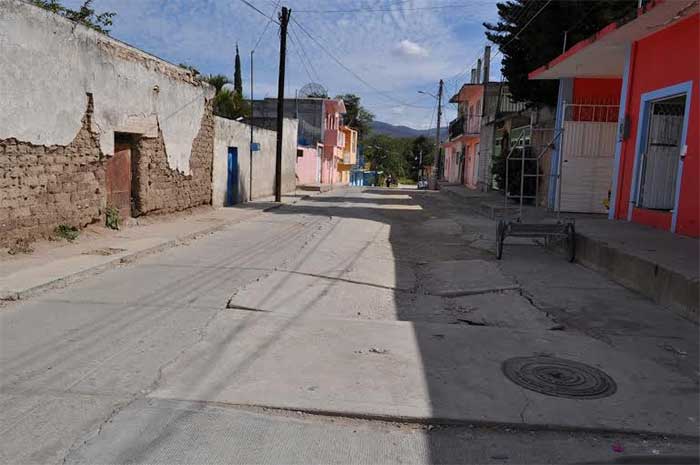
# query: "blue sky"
[399,52]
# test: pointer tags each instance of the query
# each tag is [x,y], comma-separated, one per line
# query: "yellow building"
[349,154]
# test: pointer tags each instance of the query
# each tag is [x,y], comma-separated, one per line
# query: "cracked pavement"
[336,330]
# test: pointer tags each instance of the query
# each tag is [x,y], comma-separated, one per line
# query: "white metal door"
[588,151]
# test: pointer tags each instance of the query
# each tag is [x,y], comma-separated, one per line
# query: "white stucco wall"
[48,64]
[228,133]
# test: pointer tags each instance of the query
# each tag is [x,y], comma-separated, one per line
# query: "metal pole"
[420,163]
[437,141]
[252,114]
[522,178]
[284,20]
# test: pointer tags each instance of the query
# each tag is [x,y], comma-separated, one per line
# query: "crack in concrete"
[155,384]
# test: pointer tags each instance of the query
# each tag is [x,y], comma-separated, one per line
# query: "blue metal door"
[232,178]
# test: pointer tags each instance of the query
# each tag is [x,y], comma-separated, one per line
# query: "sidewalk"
[55,263]
[658,264]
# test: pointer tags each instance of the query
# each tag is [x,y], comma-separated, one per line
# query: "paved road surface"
[357,326]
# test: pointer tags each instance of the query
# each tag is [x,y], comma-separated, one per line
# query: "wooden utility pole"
[250,165]
[437,161]
[284,20]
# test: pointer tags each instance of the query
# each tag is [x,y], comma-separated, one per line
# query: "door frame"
[684,88]
[232,190]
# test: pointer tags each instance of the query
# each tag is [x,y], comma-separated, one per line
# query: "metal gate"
[660,158]
[588,152]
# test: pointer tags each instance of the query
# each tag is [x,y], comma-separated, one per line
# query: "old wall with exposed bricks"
[58,124]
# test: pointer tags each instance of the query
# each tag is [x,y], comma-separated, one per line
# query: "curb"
[128,258]
[123,260]
[447,421]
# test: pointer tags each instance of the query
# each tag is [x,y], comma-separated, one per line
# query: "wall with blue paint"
[229,133]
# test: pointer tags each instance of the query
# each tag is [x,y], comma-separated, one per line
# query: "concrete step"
[660,282]
[658,264]
[315,187]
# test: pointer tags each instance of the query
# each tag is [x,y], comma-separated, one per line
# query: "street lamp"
[428,93]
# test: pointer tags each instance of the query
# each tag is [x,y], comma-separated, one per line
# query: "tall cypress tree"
[237,79]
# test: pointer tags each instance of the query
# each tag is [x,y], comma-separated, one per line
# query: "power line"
[308,59]
[523,13]
[522,28]
[267,24]
[385,9]
[349,70]
[306,68]
[259,11]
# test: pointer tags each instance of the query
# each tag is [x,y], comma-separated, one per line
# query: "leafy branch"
[85,15]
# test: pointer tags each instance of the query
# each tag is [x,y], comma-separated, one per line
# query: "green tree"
[237,78]
[227,104]
[420,145]
[218,81]
[84,15]
[388,154]
[527,48]
[356,116]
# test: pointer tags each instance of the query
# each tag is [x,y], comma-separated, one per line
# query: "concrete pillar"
[478,71]
[487,63]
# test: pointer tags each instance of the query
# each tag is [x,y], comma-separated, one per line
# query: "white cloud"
[411,49]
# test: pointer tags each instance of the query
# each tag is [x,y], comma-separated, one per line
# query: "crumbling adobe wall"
[42,187]
[160,189]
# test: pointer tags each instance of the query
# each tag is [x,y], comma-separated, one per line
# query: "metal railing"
[465,125]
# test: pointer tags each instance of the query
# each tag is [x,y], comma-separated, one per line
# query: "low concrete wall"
[663,285]
[228,133]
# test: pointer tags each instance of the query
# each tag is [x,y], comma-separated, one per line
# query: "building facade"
[646,69]
[233,179]
[90,123]
[462,147]
[349,160]
[319,137]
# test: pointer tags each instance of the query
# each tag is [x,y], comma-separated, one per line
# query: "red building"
[642,75]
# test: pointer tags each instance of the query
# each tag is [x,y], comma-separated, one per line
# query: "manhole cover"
[559,378]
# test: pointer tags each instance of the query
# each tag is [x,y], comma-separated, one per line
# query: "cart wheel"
[500,236]
[571,242]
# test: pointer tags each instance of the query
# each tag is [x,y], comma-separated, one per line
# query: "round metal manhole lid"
[558,377]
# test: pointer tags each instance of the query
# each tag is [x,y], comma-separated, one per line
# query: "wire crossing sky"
[385,51]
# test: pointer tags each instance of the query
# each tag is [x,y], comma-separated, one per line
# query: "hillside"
[379,127]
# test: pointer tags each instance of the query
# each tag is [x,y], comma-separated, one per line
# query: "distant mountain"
[379,127]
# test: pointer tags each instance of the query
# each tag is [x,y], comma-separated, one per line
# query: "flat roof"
[603,54]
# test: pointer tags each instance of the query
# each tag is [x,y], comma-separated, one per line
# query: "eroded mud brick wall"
[59,125]
[158,188]
[44,186]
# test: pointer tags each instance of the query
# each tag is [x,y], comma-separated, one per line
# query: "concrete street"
[357,326]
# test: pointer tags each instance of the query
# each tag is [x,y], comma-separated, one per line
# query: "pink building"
[333,141]
[462,148]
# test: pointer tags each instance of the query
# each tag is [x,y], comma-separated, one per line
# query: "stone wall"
[42,187]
